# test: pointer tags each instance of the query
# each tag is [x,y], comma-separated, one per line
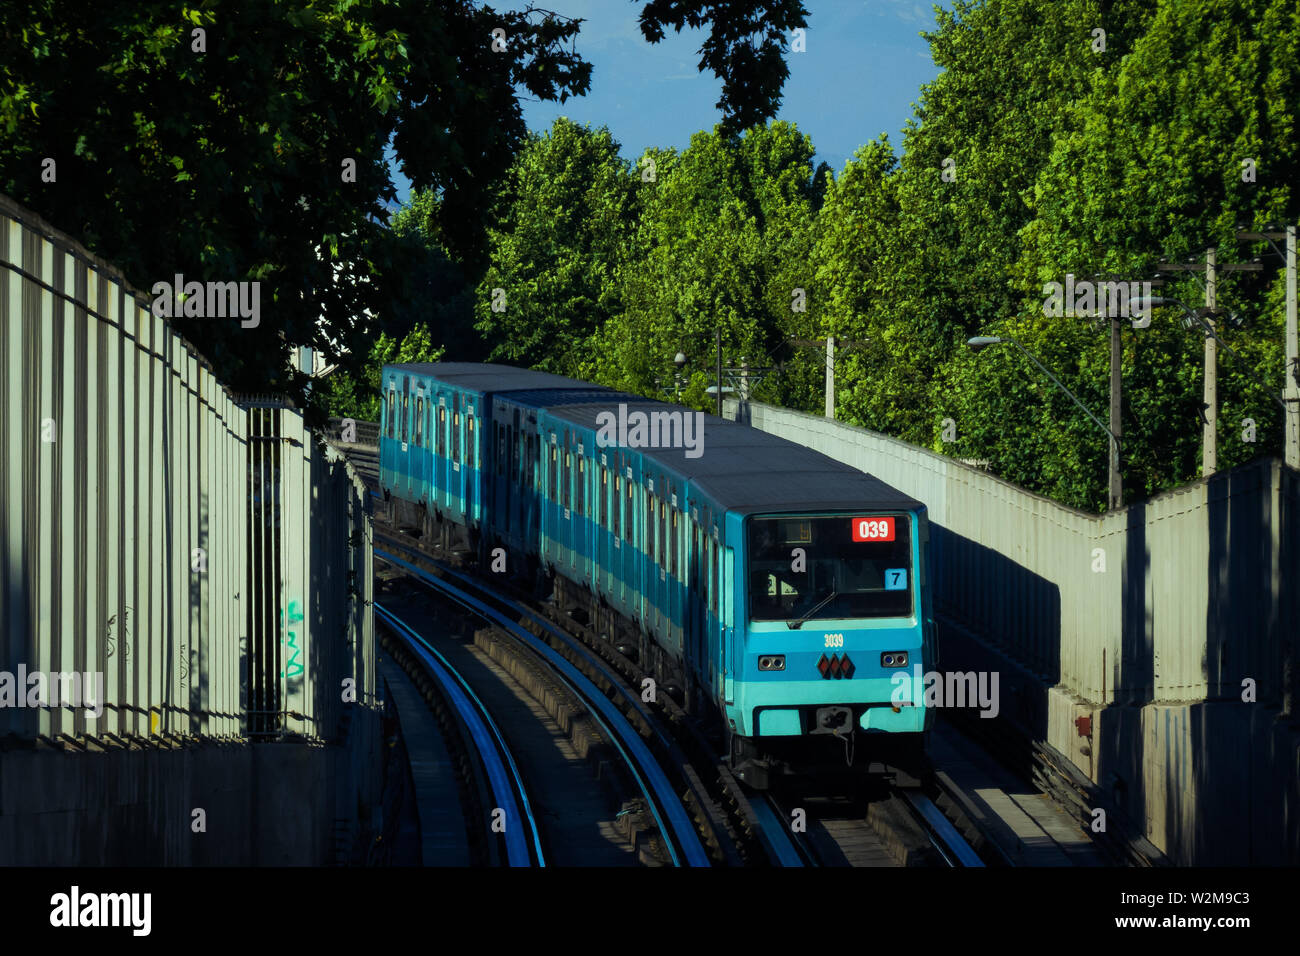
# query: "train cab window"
[848,574]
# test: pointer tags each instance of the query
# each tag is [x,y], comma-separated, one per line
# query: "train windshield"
[838,567]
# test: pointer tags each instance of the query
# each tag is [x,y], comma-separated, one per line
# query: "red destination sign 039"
[873,529]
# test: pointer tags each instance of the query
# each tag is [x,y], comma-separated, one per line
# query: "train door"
[695,597]
[408,470]
[420,464]
[388,458]
[470,470]
[457,473]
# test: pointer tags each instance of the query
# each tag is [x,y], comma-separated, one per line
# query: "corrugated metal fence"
[211,560]
[1179,598]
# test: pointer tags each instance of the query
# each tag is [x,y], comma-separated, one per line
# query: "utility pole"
[1210,395]
[1115,482]
[830,376]
[1291,371]
[1210,430]
[719,341]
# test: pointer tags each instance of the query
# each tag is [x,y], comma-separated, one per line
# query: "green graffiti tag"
[295,617]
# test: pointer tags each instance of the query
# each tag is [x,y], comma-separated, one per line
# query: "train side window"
[617,516]
[627,512]
[651,537]
[672,553]
[663,532]
[552,483]
[419,414]
[728,586]
[406,416]
[566,477]
[580,488]
[713,576]
[442,431]
[455,428]
[470,447]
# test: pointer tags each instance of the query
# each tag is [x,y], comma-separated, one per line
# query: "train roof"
[742,468]
[749,470]
[482,377]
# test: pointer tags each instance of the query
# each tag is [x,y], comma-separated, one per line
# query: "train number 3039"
[834,640]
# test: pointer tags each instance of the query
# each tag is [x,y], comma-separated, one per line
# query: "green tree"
[565,218]
[713,250]
[245,139]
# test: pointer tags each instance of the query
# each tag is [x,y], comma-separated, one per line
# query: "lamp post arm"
[1057,382]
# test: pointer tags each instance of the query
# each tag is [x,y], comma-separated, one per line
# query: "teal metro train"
[776,593]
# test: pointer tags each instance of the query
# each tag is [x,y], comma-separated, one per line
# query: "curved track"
[676,827]
[523,845]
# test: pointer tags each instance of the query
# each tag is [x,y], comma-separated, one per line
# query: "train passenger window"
[469,437]
[651,535]
[564,478]
[455,428]
[406,416]
[419,415]
[602,498]
[442,431]
[663,533]
[392,414]
[713,576]
[617,516]
[627,513]
[582,485]
[672,552]
[553,482]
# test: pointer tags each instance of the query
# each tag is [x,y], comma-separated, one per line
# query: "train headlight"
[893,659]
[771,662]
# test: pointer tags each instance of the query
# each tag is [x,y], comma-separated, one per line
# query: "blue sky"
[861,74]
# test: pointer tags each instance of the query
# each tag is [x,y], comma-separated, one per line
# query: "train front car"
[836,634]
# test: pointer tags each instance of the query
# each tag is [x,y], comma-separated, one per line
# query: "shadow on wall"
[968,578]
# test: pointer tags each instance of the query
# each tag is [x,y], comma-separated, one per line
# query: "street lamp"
[1116,490]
